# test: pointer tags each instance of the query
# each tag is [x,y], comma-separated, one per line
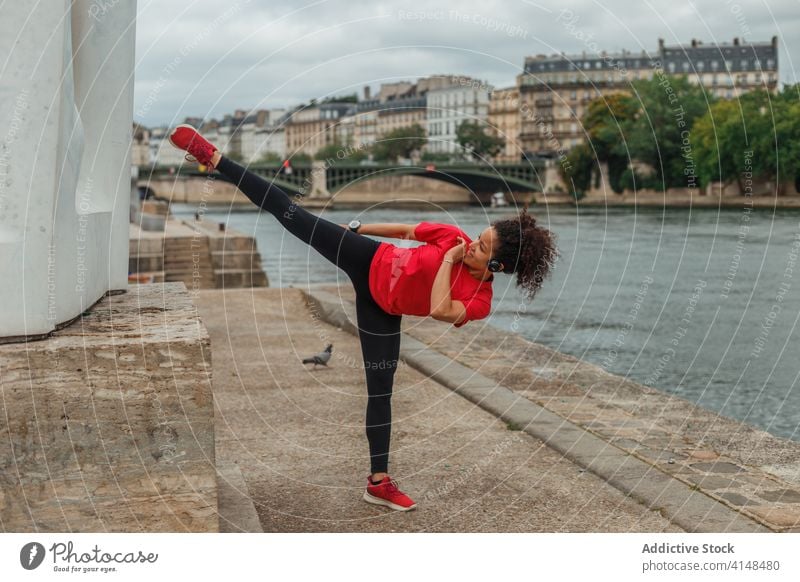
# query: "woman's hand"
[457,253]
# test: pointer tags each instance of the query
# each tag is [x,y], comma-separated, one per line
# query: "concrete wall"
[66,103]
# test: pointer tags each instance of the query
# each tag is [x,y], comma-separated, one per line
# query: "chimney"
[736,41]
[694,43]
[366,92]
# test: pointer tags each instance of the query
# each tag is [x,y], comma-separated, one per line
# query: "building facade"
[504,122]
[464,99]
[556,90]
[311,128]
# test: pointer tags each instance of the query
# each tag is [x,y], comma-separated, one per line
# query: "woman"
[449,278]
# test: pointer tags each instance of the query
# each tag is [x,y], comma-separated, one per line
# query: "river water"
[699,303]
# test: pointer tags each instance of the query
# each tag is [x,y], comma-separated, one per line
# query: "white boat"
[499,200]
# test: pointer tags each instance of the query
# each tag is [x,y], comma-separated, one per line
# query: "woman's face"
[482,249]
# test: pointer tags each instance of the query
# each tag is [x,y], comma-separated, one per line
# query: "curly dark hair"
[526,249]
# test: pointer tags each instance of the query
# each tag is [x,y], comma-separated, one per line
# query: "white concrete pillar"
[66,106]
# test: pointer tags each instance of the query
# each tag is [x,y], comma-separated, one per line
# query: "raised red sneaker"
[185,137]
[386,493]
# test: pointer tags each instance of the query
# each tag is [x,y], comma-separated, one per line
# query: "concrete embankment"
[490,433]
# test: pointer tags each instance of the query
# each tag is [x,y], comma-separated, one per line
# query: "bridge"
[319,180]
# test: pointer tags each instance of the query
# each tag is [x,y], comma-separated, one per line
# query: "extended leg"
[350,251]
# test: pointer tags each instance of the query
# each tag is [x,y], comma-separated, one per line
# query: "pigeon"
[321,358]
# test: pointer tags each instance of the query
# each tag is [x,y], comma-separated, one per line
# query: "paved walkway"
[291,439]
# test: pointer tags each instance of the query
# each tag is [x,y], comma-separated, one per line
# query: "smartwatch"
[354,225]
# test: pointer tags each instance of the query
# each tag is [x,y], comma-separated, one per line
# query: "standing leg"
[379,333]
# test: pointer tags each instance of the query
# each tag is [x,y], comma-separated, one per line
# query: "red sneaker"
[185,137]
[386,493]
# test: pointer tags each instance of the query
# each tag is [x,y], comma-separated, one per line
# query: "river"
[699,303]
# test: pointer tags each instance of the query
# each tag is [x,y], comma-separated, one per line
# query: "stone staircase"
[197,253]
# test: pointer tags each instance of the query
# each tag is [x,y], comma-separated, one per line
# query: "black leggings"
[378,331]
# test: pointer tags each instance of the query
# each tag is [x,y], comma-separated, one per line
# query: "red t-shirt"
[401,279]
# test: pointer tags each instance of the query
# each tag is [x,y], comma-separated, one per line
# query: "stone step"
[145,263]
[236,259]
[232,278]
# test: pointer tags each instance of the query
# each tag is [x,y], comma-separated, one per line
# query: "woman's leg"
[379,333]
[350,251]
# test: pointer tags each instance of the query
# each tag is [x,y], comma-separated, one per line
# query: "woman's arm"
[443,307]
[388,230]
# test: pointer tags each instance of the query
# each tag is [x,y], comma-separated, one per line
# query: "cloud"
[204,58]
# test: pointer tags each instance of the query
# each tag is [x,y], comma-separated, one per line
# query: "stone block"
[111,421]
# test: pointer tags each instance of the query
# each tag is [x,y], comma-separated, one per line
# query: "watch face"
[354,223]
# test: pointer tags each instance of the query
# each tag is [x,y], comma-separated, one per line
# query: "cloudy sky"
[204,58]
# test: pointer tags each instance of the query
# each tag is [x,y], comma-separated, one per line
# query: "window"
[744,64]
[573,95]
[671,67]
[714,65]
[598,64]
[685,67]
[770,63]
[701,66]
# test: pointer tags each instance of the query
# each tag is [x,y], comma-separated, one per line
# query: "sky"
[203,59]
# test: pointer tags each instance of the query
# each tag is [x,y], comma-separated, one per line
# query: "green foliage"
[401,142]
[435,157]
[576,170]
[336,152]
[660,132]
[351,98]
[472,137]
[606,122]
[269,158]
[300,158]
[759,132]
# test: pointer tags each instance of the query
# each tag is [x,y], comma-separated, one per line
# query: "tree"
[576,170]
[401,142]
[472,137]
[759,126]
[605,122]
[659,134]
[336,152]
[269,158]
